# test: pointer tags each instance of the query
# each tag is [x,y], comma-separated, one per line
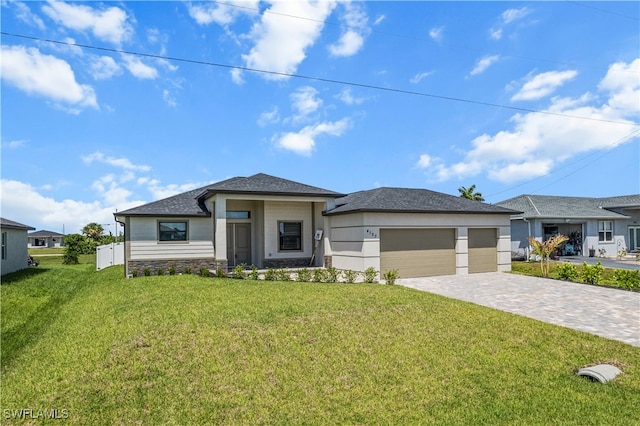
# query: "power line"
[321,79]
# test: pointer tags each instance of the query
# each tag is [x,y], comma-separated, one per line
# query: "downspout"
[124,240]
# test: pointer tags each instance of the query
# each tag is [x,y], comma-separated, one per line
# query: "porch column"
[220,236]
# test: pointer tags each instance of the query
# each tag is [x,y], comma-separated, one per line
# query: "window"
[290,234]
[605,230]
[4,245]
[172,231]
[244,214]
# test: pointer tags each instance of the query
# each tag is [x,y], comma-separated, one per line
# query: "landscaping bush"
[283,275]
[390,276]
[239,271]
[332,275]
[370,275]
[204,272]
[304,275]
[627,279]
[592,274]
[271,274]
[187,270]
[221,273]
[160,271]
[319,275]
[147,272]
[172,270]
[567,271]
[254,275]
[351,276]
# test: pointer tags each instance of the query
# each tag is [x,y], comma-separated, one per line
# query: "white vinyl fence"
[109,255]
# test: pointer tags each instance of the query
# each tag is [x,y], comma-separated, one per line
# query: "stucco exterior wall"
[15,251]
[355,238]
[276,211]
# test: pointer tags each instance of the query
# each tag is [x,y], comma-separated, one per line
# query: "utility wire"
[321,79]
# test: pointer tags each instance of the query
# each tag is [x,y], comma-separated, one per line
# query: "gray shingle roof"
[191,203]
[44,233]
[552,206]
[10,224]
[407,200]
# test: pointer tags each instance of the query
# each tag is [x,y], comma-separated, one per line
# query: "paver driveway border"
[606,312]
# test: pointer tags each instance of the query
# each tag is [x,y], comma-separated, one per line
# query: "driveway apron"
[606,312]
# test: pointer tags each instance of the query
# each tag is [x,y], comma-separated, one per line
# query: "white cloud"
[347,97]
[104,67]
[24,14]
[269,117]
[436,34]
[543,84]
[379,19]
[222,13]
[13,144]
[281,48]
[123,163]
[304,101]
[424,161]
[22,202]
[38,74]
[354,32]
[484,63]
[419,77]
[303,142]
[537,142]
[169,99]
[163,191]
[138,68]
[511,15]
[108,24]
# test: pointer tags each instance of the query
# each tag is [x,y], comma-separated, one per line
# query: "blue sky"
[138,101]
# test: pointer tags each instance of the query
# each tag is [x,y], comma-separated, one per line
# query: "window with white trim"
[4,245]
[172,231]
[290,236]
[605,230]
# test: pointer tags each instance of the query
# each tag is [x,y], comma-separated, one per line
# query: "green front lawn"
[192,350]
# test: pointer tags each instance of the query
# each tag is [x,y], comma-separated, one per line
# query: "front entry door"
[238,243]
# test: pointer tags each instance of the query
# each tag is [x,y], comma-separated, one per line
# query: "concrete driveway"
[606,312]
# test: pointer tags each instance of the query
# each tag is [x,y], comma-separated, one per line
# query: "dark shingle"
[191,203]
[406,200]
[553,206]
[44,234]
[10,224]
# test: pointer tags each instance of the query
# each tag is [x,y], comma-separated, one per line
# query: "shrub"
[592,274]
[568,271]
[187,270]
[283,275]
[147,272]
[319,275]
[271,274]
[172,270]
[304,275]
[221,273]
[254,275]
[204,272]
[239,271]
[351,276]
[370,275]
[134,273]
[160,271]
[627,279]
[390,276]
[332,275]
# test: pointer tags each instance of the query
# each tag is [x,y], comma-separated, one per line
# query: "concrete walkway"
[606,312]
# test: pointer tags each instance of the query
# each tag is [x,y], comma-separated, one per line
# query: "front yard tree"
[545,249]
[93,231]
[470,194]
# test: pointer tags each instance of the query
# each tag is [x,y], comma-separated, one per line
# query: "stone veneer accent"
[179,264]
[302,262]
[328,262]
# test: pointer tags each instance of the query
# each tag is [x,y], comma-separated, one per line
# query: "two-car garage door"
[430,252]
[418,252]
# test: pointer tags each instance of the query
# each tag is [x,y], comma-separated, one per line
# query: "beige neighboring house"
[271,222]
[45,239]
[14,245]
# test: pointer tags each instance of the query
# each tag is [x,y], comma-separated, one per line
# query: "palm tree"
[545,249]
[470,194]
[93,231]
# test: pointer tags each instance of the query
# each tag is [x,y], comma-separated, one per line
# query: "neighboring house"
[14,245]
[272,222]
[42,239]
[593,225]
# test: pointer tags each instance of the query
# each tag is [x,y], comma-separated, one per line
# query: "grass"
[192,350]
